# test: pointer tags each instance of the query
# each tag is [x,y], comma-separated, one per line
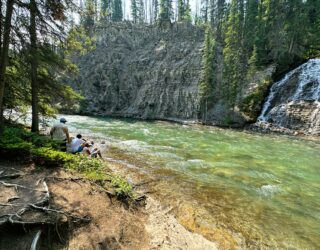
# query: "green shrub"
[90,167]
[122,188]
[50,157]
[13,142]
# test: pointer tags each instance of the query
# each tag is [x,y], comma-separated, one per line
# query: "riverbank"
[162,229]
[73,211]
[209,175]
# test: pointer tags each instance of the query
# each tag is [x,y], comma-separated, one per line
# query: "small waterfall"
[273,91]
[294,101]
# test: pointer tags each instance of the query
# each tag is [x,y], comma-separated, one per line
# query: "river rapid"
[242,189]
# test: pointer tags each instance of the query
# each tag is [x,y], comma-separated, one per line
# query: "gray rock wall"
[143,72]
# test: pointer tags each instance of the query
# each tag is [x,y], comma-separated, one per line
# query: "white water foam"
[268,190]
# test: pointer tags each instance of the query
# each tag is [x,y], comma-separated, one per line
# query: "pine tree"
[261,42]
[106,8]
[141,14]
[166,12]
[234,66]
[187,14]
[184,10]
[296,25]
[251,27]
[205,10]
[34,67]
[313,15]
[88,19]
[117,14]
[181,10]
[4,51]
[217,21]
[134,10]
[155,8]
[207,86]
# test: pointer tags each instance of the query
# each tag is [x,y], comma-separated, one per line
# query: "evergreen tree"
[134,10]
[166,12]
[217,21]
[234,66]
[251,26]
[34,67]
[141,14]
[208,83]
[184,10]
[106,7]
[181,10]
[313,16]
[88,18]
[155,10]
[295,26]
[4,51]
[205,10]
[117,14]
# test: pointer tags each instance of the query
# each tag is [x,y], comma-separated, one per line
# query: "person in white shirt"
[60,133]
[76,144]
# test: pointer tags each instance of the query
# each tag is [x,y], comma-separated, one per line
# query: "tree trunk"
[4,55]
[1,24]
[34,67]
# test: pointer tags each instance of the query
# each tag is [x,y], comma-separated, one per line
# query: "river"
[256,190]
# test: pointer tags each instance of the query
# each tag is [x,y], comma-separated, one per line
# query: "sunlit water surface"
[264,188]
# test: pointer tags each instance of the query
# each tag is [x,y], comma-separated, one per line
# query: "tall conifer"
[134,10]
[166,12]
[117,13]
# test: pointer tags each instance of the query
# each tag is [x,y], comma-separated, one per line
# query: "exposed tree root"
[69,215]
[35,240]
[40,205]
[9,176]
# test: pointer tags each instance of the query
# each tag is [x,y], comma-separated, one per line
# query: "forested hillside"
[245,46]
[245,37]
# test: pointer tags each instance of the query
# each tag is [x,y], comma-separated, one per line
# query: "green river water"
[263,189]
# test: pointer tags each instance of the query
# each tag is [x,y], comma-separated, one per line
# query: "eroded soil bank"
[111,224]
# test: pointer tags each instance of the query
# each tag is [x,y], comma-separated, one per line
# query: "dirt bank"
[112,225]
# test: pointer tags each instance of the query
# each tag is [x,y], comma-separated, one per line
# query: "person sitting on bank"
[89,150]
[76,144]
[60,133]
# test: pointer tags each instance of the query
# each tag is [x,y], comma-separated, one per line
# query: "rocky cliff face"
[143,72]
[294,101]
